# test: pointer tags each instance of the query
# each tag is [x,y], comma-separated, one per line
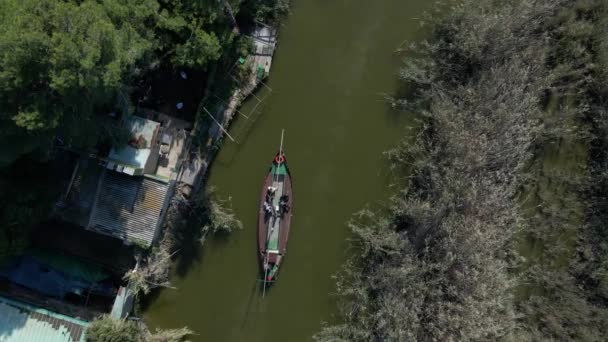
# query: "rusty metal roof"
[129,208]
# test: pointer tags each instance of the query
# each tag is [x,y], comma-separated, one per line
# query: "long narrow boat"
[274,218]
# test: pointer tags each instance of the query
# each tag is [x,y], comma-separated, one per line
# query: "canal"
[335,60]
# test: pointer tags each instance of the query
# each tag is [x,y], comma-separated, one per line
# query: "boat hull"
[274,225]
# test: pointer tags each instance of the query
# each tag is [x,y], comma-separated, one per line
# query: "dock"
[259,62]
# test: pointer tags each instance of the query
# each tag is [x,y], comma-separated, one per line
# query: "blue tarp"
[29,272]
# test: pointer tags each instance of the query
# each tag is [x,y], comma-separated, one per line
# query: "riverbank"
[217,113]
[106,126]
[334,60]
[496,236]
[193,205]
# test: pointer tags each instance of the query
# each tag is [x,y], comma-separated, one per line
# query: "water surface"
[334,62]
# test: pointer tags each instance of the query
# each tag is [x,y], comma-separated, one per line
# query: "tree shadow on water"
[190,248]
[145,302]
[187,239]
[209,218]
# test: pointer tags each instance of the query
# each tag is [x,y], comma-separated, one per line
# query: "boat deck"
[273,229]
[274,223]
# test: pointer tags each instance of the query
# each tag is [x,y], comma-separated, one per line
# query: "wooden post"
[67,192]
[222,128]
[228,105]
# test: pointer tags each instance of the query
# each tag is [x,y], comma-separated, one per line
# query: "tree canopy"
[63,62]
[66,64]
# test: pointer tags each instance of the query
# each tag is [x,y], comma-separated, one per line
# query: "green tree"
[64,64]
[266,10]
[62,61]
[200,49]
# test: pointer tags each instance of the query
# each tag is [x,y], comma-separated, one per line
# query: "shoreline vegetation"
[191,219]
[66,64]
[117,51]
[499,233]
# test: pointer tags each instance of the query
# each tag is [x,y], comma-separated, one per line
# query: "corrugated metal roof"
[20,322]
[129,208]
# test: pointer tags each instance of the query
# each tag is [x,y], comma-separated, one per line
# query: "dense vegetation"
[500,231]
[66,64]
[65,61]
[107,329]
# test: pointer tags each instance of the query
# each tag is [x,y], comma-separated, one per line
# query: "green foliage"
[30,120]
[267,10]
[62,62]
[65,64]
[244,46]
[141,244]
[107,329]
[198,51]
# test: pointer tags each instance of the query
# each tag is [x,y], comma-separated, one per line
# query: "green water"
[334,61]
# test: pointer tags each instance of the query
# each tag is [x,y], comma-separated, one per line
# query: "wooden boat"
[274,218]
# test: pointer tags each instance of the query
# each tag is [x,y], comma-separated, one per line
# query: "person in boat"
[283,203]
[284,208]
[267,208]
